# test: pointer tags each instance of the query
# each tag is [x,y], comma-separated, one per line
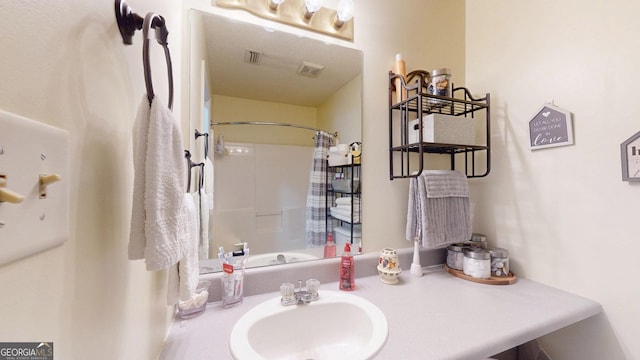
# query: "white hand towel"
[347,200]
[183,277]
[345,215]
[348,208]
[209,180]
[203,244]
[196,200]
[137,237]
[159,183]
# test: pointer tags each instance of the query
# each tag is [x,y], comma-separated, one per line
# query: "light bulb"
[345,10]
[273,4]
[311,6]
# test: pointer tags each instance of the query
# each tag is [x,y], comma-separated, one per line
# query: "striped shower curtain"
[317,201]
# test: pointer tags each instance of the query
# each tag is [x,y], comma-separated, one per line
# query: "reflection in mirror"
[248,73]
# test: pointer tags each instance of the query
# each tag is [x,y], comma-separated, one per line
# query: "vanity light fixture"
[344,13]
[305,14]
[273,4]
[311,7]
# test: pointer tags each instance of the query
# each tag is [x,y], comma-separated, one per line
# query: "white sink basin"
[278,258]
[337,326]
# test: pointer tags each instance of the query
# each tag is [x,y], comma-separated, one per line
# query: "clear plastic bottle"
[330,247]
[347,271]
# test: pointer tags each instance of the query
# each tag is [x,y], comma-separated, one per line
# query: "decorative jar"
[478,241]
[455,256]
[477,263]
[440,84]
[499,262]
[389,266]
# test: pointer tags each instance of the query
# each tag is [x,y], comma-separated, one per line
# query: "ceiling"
[274,79]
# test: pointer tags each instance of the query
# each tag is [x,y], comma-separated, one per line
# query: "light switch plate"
[29,149]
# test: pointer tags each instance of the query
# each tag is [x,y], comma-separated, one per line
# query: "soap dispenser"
[330,247]
[347,271]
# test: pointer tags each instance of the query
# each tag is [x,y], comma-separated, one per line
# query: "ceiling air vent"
[310,69]
[252,57]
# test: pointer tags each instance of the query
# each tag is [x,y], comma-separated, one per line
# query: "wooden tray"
[494,280]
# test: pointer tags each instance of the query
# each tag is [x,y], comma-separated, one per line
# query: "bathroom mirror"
[244,73]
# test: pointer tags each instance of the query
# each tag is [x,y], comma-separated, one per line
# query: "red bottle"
[330,247]
[347,270]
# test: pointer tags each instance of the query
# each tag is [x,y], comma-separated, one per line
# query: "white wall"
[63,63]
[342,112]
[430,35]
[564,212]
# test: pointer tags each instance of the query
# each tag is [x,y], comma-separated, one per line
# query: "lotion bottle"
[330,247]
[400,68]
[347,270]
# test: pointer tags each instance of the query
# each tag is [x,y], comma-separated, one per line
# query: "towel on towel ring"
[438,211]
[163,223]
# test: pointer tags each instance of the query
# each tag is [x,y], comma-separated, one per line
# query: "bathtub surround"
[261,197]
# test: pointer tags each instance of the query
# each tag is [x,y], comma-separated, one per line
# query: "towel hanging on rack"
[152,20]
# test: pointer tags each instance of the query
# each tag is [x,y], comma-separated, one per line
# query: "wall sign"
[630,155]
[551,126]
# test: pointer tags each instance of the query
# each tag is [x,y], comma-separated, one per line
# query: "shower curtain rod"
[335,134]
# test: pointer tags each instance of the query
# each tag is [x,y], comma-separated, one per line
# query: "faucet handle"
[312,287]
[287,291]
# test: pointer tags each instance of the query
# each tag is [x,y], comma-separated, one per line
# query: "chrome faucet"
[293,296]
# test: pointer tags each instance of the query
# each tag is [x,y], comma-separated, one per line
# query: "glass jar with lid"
[499,262]
[478,241]
[477,263]
[440,85]
[455,256]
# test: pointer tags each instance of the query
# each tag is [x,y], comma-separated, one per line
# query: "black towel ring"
[128,21]
[152,20]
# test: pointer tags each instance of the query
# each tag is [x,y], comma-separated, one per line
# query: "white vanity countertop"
[437,316]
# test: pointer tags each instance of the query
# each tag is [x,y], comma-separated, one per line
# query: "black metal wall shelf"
[352,174]
[418,103]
